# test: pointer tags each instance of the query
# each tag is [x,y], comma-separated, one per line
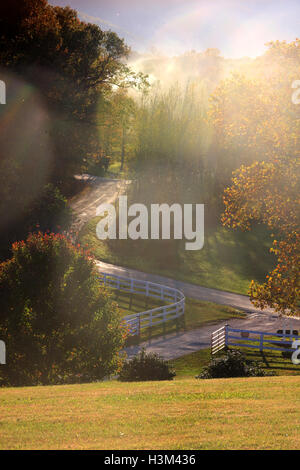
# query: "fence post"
[177,319]
[150,325]
[117,283]
[139,326]
[182,316]
[261,342]
[226,335]
[164,321]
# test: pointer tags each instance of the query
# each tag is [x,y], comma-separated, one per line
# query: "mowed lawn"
[251,413]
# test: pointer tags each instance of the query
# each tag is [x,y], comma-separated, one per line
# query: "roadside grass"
[189,414]
[197,314]
[134,303]
[113,171]
[192,364]
[228,261]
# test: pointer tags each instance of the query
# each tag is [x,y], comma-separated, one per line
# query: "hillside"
[256,413]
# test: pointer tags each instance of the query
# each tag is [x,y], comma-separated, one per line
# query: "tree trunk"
[123,147]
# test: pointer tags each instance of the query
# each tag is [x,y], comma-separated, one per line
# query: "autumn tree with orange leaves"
[267,126]
[268,192]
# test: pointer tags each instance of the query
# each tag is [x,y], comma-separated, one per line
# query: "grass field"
[228,261]
[134,303]
[197,313]
[254,413]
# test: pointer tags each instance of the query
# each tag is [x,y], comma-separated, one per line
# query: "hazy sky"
[236,27]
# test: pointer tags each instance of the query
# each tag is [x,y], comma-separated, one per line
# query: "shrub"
[232,364]
[146,366]
[50,211]
[58,324]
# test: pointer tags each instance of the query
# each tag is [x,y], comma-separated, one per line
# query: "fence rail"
[155,316]
[261,340]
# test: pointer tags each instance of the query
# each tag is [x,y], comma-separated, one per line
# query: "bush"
[146,366]
[233,364]
[58,324]
[50,210]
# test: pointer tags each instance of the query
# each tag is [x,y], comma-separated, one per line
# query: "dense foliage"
[146,366]
[59,73]
[71,63]
[267,191]
[232,364]
[49,211]
[57,323]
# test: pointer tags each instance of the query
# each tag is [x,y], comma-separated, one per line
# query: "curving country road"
[174,345]
[100,190]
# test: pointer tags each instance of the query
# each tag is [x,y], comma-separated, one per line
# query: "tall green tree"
[70,62]
[56,68]
[58,323]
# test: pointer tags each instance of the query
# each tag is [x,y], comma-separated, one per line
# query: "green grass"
[228,261]
[198,313]
[192,364]
[134,303]
[246,413]
[114,171]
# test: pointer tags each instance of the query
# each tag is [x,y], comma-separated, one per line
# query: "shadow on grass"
[273,361]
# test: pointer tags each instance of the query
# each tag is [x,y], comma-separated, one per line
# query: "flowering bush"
[58,324]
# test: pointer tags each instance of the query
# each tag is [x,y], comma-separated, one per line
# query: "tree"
[252,114]
[257,119]
[57,69]
[268,192]
[72,64]
[115,124]
[58,324]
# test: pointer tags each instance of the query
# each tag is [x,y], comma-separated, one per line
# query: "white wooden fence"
[137,321]
[261,340]
[218,340]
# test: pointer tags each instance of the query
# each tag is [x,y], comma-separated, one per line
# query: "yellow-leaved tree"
[257,119]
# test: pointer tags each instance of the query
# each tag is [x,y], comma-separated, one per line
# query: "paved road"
[178,344]
[100,190]
[190,290]
[173,345]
